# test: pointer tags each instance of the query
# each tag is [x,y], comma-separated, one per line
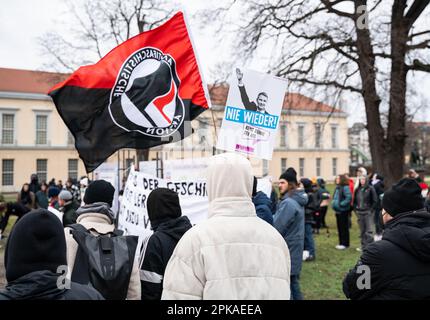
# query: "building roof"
[292,101]
[28,81]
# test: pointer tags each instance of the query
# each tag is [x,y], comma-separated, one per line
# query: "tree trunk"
[366,65]
[396,131]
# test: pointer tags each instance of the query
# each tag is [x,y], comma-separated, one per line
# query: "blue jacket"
[263,205]
[289,220]
[342,203]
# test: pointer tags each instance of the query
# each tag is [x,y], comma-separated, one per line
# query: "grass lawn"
[322,278]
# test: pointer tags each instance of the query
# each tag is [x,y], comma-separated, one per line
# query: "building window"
[70,139]
[42,169]
[318,167]
[7,128]
[42,129]
[73,168]
[265,167]
[334,165]
[301,135]
[334,142]
[302,167]
[7,172]
[283,165]
[317,135]
[283,142]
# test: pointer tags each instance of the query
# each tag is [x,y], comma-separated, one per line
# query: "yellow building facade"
[313,137]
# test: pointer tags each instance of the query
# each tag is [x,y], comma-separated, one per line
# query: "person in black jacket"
[398,266]
[11,208]
[34,185]
[378,183]
[310,209]
[365,202]
[427,202]
[36,263]
[169,226]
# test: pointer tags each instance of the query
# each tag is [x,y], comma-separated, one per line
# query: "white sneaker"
[305,255]
[340,247]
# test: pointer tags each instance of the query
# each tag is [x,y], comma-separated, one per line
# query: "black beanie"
[404,196]
[307,184]
[35,243]
[163,204]
[290,175]
[99,191]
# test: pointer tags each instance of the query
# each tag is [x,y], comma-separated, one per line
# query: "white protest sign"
[265,185]
[193,197]
[109,172]
[133,214]
[148,167]
[252,114]
[186,169]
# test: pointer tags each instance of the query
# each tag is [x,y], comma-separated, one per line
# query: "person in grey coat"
[365,202]
[289,220]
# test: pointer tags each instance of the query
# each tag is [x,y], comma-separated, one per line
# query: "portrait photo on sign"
[252,113]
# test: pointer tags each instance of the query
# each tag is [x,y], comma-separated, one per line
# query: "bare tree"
[367,48]
[97,26]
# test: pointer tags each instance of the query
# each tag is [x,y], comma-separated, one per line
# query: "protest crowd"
[69,242]
[251,246]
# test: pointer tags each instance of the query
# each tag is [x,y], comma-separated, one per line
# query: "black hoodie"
[399,264]
[35,250]
[42,285]
[157,254]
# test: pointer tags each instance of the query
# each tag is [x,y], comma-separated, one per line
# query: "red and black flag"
[142,94]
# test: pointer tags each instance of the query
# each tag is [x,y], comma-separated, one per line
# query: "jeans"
[309,239]
[296,294]
[366,223]
[342,227]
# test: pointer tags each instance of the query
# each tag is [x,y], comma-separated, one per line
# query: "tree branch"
[415,11]
[419,66]
[330,8]
[327,83]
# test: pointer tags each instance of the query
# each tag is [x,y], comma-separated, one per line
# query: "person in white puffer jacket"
[233,254]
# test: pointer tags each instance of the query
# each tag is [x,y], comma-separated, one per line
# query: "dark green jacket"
[69,213]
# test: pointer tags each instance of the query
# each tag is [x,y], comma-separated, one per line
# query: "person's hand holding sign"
[239,75]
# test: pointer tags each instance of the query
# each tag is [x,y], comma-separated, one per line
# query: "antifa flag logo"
[145,96]
[144,93]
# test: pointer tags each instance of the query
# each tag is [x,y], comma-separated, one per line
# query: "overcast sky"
[23,21]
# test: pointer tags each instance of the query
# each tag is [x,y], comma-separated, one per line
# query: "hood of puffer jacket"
[230,181]
[411,232]
[97,207]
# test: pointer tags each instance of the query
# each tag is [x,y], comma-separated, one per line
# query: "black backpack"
[104,261]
